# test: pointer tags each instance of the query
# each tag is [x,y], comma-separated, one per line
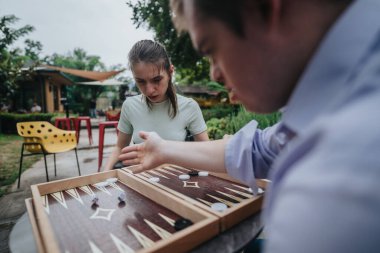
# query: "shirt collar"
[336,59]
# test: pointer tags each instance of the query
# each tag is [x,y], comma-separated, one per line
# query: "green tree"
[12,60]
[155,15]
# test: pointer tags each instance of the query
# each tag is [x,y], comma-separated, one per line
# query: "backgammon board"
[205,190]
[125,214]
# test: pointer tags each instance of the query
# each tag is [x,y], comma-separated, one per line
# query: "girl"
[158,108]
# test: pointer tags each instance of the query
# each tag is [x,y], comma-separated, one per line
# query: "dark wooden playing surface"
[76,231]
[206,185]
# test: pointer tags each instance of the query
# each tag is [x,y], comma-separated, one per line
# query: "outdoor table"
[21,239]
[77,126]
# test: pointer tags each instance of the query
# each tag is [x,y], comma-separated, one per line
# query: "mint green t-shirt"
[136,116]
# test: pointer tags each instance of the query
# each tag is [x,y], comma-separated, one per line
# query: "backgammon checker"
[228,199]
[115,212]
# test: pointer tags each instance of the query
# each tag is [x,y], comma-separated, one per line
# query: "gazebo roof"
[92,75]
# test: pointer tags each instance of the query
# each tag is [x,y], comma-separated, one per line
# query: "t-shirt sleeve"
[125,125]
[196,123]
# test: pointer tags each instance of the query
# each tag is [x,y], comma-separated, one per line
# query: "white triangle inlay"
[159,230]
[178,167]
[103,189]
[228,203]
[94,248]
[114,185]
[87,189]
[144,241]
[60,198]
[158,174]
[45,203]
[74,193]
[120,245]
[170,221]
[167,172]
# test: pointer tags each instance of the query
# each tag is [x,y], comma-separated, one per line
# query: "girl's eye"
[140,82]
[157,80]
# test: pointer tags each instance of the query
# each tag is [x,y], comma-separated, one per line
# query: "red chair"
[61,122]
[112,116]
[77,126]
[102,126]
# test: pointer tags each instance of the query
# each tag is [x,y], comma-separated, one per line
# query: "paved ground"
[12,205]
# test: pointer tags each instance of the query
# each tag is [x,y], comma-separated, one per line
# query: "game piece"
[154,179]
[260,191]
[122,197]
[184,177]
[102,184]
[182,223]
[94,199]
[193,173]
[250,190]
[220,207]
[111,180]
[203,173]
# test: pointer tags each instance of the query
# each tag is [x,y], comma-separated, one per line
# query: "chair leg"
[46,168]
[19,171]
[76,154]
[100,148]
[55,167]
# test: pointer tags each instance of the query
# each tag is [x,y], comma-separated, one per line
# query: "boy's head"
[257,48]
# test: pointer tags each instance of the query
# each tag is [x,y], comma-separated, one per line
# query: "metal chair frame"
[42,153]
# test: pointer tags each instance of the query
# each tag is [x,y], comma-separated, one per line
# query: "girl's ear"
[171,69]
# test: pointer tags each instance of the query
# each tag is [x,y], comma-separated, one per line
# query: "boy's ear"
[274,15]
[270,10]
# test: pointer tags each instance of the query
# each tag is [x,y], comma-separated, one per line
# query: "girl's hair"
[149,51]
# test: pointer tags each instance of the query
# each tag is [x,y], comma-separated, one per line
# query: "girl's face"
[151,81]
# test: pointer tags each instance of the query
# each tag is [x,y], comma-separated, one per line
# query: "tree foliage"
[155,15]
[12,60]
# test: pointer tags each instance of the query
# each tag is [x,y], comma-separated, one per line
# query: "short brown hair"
[227,11]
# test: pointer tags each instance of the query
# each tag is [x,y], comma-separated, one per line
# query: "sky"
[100,27]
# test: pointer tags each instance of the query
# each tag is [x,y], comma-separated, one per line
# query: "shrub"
[8,120]
[217,128]
[219,111]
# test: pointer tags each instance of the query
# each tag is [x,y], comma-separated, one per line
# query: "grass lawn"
[10,146]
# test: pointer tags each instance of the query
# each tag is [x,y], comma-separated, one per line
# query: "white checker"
[154,179]
[102,184]
[111,180]
[203,173]
[122,197]
[219,207]
[184,177]
[94,199]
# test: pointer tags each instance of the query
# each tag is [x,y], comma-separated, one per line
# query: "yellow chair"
[41,137]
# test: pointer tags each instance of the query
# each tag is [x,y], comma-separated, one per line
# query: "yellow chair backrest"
[53,140]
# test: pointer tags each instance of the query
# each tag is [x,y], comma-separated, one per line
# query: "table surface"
[21,239]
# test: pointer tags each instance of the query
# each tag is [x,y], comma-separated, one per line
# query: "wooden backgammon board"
[125,214]
[205,190]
